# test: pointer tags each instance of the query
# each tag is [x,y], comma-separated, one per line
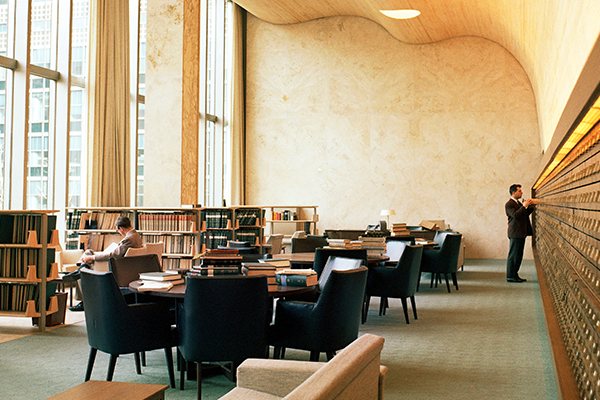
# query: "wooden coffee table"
[102,390]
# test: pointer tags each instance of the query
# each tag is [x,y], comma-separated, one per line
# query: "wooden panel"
[191,107]
[567,240]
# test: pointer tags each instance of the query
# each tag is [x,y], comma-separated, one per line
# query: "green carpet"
[486,341]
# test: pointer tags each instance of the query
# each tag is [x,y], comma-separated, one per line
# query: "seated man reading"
[130,239]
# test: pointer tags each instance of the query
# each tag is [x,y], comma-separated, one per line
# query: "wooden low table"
[103,390]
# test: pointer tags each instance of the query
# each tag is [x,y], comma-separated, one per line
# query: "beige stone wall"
[162,170]
[342,115]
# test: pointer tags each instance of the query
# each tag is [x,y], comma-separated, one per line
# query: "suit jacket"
[518,219]
[131,239]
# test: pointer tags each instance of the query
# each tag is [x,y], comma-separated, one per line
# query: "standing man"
[519,228]
[130,239]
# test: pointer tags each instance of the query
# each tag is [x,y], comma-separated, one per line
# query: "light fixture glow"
[400,14]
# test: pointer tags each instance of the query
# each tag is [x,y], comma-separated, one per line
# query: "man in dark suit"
[519,228]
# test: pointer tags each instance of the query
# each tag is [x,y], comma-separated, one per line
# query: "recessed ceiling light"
[400,14]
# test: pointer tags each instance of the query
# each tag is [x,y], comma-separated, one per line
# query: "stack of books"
[341,244]
[218,262]
[400,229]
[160,280]
[296,277]
[261,268]
[375,245]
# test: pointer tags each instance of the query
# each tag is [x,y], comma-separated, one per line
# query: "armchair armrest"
[276,377]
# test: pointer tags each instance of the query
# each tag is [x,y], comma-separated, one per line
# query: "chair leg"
[199,379]
[419,281]
[366,308]
[432,279]
[276,352]
[382,301]
[169,355]
[314,356]
[414,306]
[138,368]
[112,363]
[330,355]
[447,283]
[182,365]
[143,357]
[405,308]
[90,366]
[282,353]
[454,280]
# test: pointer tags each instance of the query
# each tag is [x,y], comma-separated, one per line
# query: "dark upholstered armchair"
[224,319]
[116,328]
[308,244]
[127,269]
[322,255]
[396,282]
[326,326]
[443,261]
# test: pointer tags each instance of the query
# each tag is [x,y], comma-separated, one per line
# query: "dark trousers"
[515,256]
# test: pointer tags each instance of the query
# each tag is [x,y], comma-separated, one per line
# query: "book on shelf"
[160,276]
[296,277]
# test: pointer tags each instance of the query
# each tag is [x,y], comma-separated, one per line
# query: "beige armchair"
[67,260]
[355,373]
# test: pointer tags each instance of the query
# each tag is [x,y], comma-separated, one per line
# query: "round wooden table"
[309,258]
[178,291]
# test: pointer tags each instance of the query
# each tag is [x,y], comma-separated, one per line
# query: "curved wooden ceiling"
[439,20]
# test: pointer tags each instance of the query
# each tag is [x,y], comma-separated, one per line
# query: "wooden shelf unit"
[567,245]
[219,225]
[304,215]
[28,263]
[176,227]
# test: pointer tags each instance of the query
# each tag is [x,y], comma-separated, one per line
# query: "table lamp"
[387,213]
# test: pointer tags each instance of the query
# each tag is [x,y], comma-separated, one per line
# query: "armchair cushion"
[355,373]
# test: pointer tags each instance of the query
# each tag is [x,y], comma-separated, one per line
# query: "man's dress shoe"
[78,307]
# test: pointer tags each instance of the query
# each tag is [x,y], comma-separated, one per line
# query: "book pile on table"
[341,244]
[296,277]
[400,229]
[260,268]
[375,245]
[160,280]
[218,262]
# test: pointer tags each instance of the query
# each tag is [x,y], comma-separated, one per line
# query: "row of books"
[213,239]
[14,262]
[14,228]
[249,235]
[174,244]
[177,263]
[82,219]
[177,222]
[14,297]
[248,217]
[216,219]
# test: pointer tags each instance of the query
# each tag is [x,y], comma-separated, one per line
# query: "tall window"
[5,75]
[217,48]
[78,111]
[139,173]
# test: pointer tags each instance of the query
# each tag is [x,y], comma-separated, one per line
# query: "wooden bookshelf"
[288,219]
[28,244]
[223,224]
[175,227]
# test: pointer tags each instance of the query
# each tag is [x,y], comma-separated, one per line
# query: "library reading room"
[300,199]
